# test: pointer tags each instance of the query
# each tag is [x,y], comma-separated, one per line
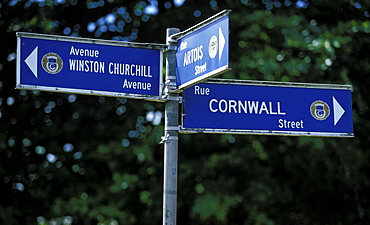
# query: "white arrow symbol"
[338,111]
[31,61]
[222,43]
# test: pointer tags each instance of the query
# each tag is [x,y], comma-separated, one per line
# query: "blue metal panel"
[203,53]
[279,109]
[67,65]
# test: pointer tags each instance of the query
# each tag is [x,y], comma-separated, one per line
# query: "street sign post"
[89,66]
[134,70]
[202,51]
[276,108]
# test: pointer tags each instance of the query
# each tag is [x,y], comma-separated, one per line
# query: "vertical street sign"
[89,66]
[202,51]
[276,108]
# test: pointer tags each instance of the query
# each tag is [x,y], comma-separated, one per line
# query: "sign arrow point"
[221,37]
[338,111]
[31,61]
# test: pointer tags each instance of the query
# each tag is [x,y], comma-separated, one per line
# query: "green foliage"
[71,159]
[213,205]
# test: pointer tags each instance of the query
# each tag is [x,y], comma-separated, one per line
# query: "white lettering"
[253,106]
[87,66]
[193,55]
[279,112]
[220,105]
[84,52]
[263,108]
[232,105]
[271,112]
[201,91]
[129,69]
[290,124]
[240,106]
[137,85]
[200,69]
[210,105]
[183,45]
[132,73]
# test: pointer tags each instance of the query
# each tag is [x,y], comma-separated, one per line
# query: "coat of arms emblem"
[52,63]
[320,110]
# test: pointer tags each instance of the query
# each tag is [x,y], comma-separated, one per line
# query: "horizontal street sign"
[89,66]
[202,51]
[275,108]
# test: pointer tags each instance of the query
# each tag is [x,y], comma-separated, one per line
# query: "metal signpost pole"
[171,134]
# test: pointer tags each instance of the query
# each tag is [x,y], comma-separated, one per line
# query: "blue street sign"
[203,51]
[229,106]
[88,66]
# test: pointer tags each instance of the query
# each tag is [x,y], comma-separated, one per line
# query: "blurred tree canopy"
[73,159]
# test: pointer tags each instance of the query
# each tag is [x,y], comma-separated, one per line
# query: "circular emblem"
[52,63]
[213,47]
[320,110]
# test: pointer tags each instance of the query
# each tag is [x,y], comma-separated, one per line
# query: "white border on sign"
[160,47]
[270,132]
[91,92]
